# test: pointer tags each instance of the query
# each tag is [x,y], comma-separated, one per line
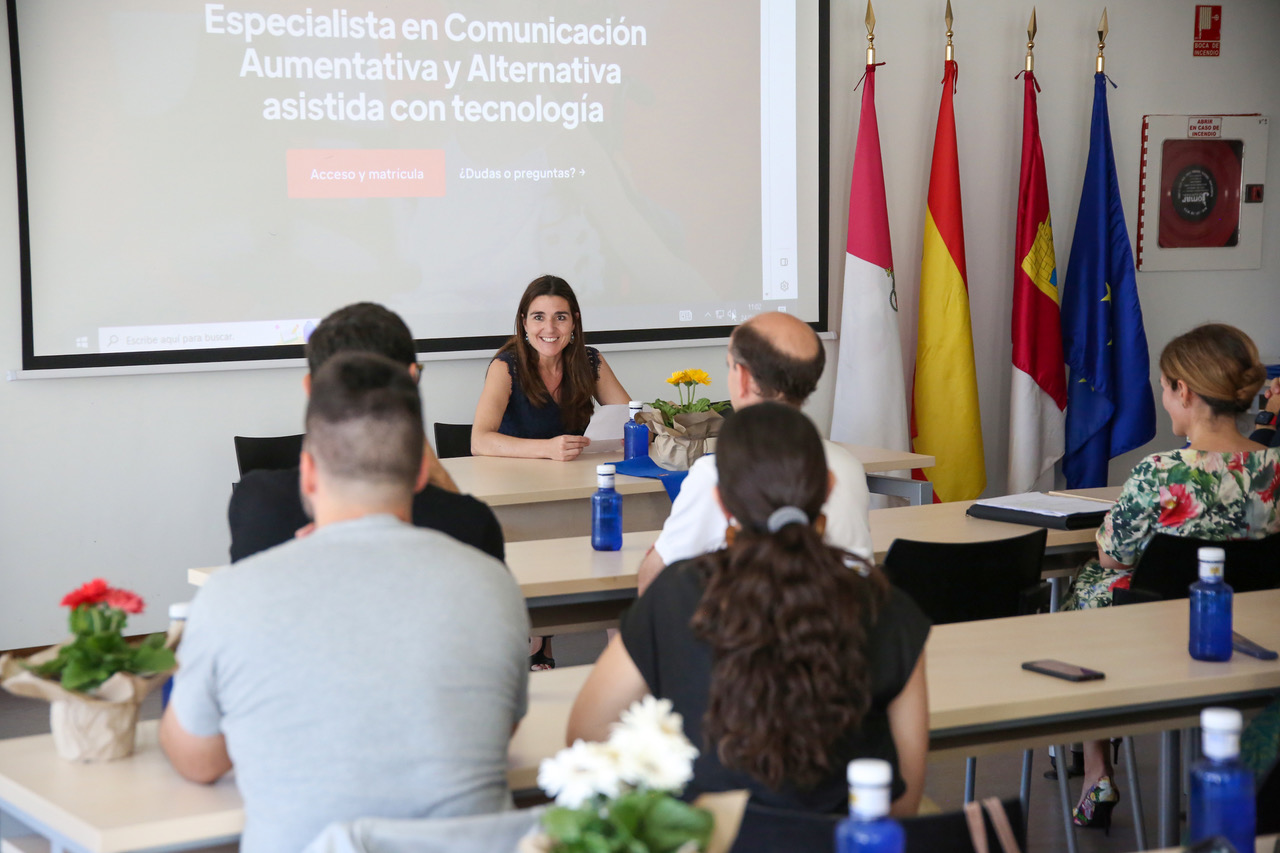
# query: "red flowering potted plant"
[95,681]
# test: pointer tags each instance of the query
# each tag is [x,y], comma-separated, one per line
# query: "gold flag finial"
[1031,41]
[950,49]
[1101,65]
[871,34]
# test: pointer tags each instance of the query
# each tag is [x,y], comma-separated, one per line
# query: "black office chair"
[1170,564]
[768,830]
[271,453]
[968,581]
[452,440]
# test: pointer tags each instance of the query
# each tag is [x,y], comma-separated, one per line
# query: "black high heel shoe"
[1095,807]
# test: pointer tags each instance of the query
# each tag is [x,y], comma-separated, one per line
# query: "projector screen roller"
[202,181]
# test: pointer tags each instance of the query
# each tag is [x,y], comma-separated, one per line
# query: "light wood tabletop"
[878,460]
[978,695]
[947,522]
[568,566]
[137,803]
[500,481]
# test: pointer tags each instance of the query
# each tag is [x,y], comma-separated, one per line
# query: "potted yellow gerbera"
[684,429]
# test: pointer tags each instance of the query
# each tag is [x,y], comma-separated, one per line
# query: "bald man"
[775,357]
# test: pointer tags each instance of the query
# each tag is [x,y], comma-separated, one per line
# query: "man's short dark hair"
[364,421]
[362,327]
[777,374]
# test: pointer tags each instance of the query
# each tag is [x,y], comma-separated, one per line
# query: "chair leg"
[1064,797]
[1024,790]
[1170,791]
[970,777]
[1135,794]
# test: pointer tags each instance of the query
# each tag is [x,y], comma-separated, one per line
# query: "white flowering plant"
[616,797]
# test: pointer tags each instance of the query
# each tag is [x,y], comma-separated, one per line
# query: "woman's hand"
[562,448]
[1273,396]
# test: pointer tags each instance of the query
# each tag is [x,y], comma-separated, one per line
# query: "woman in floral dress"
[1220,486]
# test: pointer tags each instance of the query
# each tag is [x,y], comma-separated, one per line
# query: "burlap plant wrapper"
[677,447]
[726,809]
[97,726]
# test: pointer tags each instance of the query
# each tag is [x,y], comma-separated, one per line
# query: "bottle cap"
[1212,561]
[869,772]
[179,610]
[1221,720]
[605,470]
[635,405]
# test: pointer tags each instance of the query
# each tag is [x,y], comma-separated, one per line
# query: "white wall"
[127,477]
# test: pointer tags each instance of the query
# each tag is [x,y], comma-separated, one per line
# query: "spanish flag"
[945,419]
[1038,395]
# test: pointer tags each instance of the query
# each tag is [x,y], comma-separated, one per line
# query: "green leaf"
[671,823]
[595,842]
[154,641]
[150,659]
[627,811]
[565,824]
[78,676]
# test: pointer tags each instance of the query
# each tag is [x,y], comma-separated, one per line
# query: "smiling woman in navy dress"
[537,396]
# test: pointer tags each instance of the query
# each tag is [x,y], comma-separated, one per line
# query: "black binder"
[1074,521]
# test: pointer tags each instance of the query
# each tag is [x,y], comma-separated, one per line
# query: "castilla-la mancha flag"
[871,399]
[1038,396]
[945,420]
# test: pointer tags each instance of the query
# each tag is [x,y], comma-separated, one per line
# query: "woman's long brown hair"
[785,615]
[578,380]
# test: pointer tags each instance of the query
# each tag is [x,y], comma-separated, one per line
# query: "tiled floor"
[997,775]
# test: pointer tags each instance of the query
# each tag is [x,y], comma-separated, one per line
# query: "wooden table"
[571,587]
[980,700]
[544,499]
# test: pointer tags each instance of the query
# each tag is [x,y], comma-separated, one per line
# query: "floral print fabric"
[1185,493]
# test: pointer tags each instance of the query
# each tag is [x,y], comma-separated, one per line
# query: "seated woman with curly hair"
[787,658]
[1222,485]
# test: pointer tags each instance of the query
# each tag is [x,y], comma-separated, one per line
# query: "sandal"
[540,661]
[1095,807]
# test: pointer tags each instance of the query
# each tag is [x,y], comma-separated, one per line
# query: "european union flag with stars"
[1110,407]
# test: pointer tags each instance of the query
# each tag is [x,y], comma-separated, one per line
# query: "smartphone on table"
[1060,669]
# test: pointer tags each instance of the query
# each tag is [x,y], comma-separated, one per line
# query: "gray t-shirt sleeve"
[195,689]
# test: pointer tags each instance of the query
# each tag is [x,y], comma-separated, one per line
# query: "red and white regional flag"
[871,401]
[1038,395]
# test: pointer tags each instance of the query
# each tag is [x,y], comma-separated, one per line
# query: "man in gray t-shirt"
[369,669]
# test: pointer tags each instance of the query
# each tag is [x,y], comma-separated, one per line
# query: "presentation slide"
[205,177]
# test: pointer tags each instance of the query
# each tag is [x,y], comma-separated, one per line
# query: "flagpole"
[950,50]
[1100,67]
[1030,66]
[871,34]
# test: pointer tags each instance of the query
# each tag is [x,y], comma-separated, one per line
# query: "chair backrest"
[272,452]
[452,440]
[769,829]
[1170,564]
[965,581]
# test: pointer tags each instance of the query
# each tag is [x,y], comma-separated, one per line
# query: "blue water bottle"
[635,437]
[868,828]
[606,512]
[1221,797]
[177,621]
[1210,636]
